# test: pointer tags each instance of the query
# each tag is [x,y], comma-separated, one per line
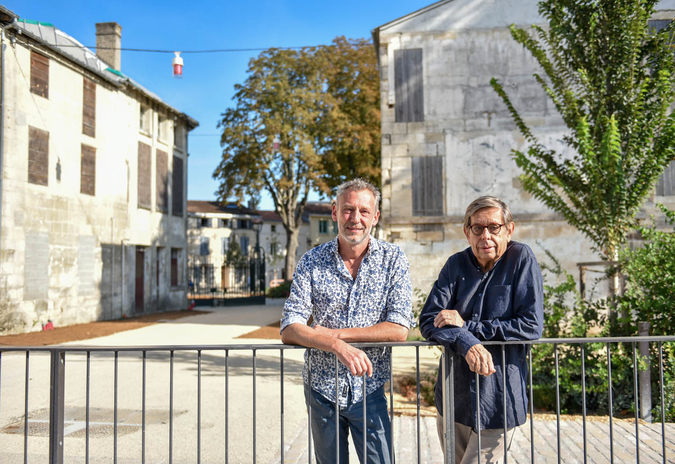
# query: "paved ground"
[207,424]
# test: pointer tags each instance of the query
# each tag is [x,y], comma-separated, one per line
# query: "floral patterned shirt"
[324,289]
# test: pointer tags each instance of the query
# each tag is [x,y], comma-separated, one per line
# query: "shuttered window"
[88,170]
[204,246]
[38,156]
[144,173]
[666,185]
[409,85]
[162,181]
[427,186]
[89,107]
[39,74]
[177,182]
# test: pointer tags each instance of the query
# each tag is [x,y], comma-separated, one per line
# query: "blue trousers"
[378,428]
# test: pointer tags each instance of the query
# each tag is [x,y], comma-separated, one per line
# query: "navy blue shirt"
[506,303]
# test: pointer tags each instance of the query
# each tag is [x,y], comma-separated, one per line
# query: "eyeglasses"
[494,229]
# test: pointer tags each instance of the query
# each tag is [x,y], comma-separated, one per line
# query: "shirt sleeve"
[298,306]
[399,298]
[459,339]
[528,307]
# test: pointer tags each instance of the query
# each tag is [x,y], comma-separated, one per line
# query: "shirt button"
[480,294]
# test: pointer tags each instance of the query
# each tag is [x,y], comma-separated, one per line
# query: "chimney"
[108,44]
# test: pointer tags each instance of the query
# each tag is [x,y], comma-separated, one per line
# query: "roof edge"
[405,18]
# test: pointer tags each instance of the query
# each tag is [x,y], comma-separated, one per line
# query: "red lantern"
[177,65]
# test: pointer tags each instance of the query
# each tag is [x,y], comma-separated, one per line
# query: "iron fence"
[57,404]
[210,278]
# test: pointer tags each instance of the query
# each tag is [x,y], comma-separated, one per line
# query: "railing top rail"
[280,346]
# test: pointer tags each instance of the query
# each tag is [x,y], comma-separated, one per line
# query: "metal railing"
[57,402]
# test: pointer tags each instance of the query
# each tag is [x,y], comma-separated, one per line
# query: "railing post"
[645,376]
[56,406]
[449,405]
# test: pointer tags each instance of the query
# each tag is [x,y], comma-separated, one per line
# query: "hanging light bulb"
[276,143]
[177,65]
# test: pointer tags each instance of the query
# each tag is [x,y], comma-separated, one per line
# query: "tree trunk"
[291,249]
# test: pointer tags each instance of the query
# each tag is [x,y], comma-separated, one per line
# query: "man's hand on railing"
[355,359]
[448,317]
[480,360]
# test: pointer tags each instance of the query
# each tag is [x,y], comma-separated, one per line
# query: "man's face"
[487,247]
[356,214]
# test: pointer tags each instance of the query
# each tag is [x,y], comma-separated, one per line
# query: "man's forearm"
[300,334]
[382,332]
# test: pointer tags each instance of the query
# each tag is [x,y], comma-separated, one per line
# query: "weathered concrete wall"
[465,43]
[61,251]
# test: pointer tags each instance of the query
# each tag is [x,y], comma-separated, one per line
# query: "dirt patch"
[269,332]
[78,332]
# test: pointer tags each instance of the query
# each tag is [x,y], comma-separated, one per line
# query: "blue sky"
[207,86]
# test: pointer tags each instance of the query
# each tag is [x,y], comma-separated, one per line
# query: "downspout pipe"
[2,115]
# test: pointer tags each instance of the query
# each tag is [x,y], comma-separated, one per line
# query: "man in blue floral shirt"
[357,289]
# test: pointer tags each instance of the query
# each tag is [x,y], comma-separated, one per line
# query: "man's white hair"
[359,184]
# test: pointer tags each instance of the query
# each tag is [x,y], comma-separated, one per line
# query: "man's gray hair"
[359,184]
[487,202]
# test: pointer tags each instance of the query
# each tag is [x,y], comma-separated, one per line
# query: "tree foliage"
[611,79]
[304,120]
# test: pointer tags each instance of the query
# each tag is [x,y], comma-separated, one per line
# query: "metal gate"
[215,282]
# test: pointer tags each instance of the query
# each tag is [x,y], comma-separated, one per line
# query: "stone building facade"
[447,136]
[94,184]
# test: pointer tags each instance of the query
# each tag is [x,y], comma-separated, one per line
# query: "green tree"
[611,79]
[303,120]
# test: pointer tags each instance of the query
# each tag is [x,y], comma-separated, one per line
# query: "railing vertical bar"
[86,453]
[143,412]
[227,400]
[478,421]
[365,422]
[0,383]
[255,443]
[337,412]
[25,424]
[115,408]
[308,353]
[171,408]
[611,399]
[449,405]
[583,399]
[663,409]
[506,430]
[417,372]
[391,403]
[281,385]
[636,401]
[557,400]
[199,406]
[57,403]
[531,405]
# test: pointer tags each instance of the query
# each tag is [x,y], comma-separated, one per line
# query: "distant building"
[273,239]
[322,228]
[93,196]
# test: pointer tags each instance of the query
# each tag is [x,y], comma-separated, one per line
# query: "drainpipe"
[2,114]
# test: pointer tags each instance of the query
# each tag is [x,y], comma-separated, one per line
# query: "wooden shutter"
[144,173]
[177,193]
[38,156]
[89,107]
[162,181]
[658,24]
[409,85]
[666,185]
[39,74]
[88,170]
[427,186]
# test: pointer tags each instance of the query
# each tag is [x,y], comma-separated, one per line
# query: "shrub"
[281,291]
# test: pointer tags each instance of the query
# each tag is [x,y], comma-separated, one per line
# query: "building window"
[205,222]
[273,228]
[223,223]
[666,184]
[88,107]
[335,228]
[204,246]
[409,85]
[177,199]
[176,266]
[243,242]
[162,181]
[178,136]
[427,186]
[88,170]
[274,248]
[145,122]
[323,226]
[144,176]
[223,246]
[39,74]
[162,129]
[38,156]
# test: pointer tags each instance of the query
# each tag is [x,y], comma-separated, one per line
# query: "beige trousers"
[466,443]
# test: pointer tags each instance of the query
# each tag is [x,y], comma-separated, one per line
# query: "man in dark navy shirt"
[493,290]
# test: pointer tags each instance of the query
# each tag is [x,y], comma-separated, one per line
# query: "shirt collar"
[374,246]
